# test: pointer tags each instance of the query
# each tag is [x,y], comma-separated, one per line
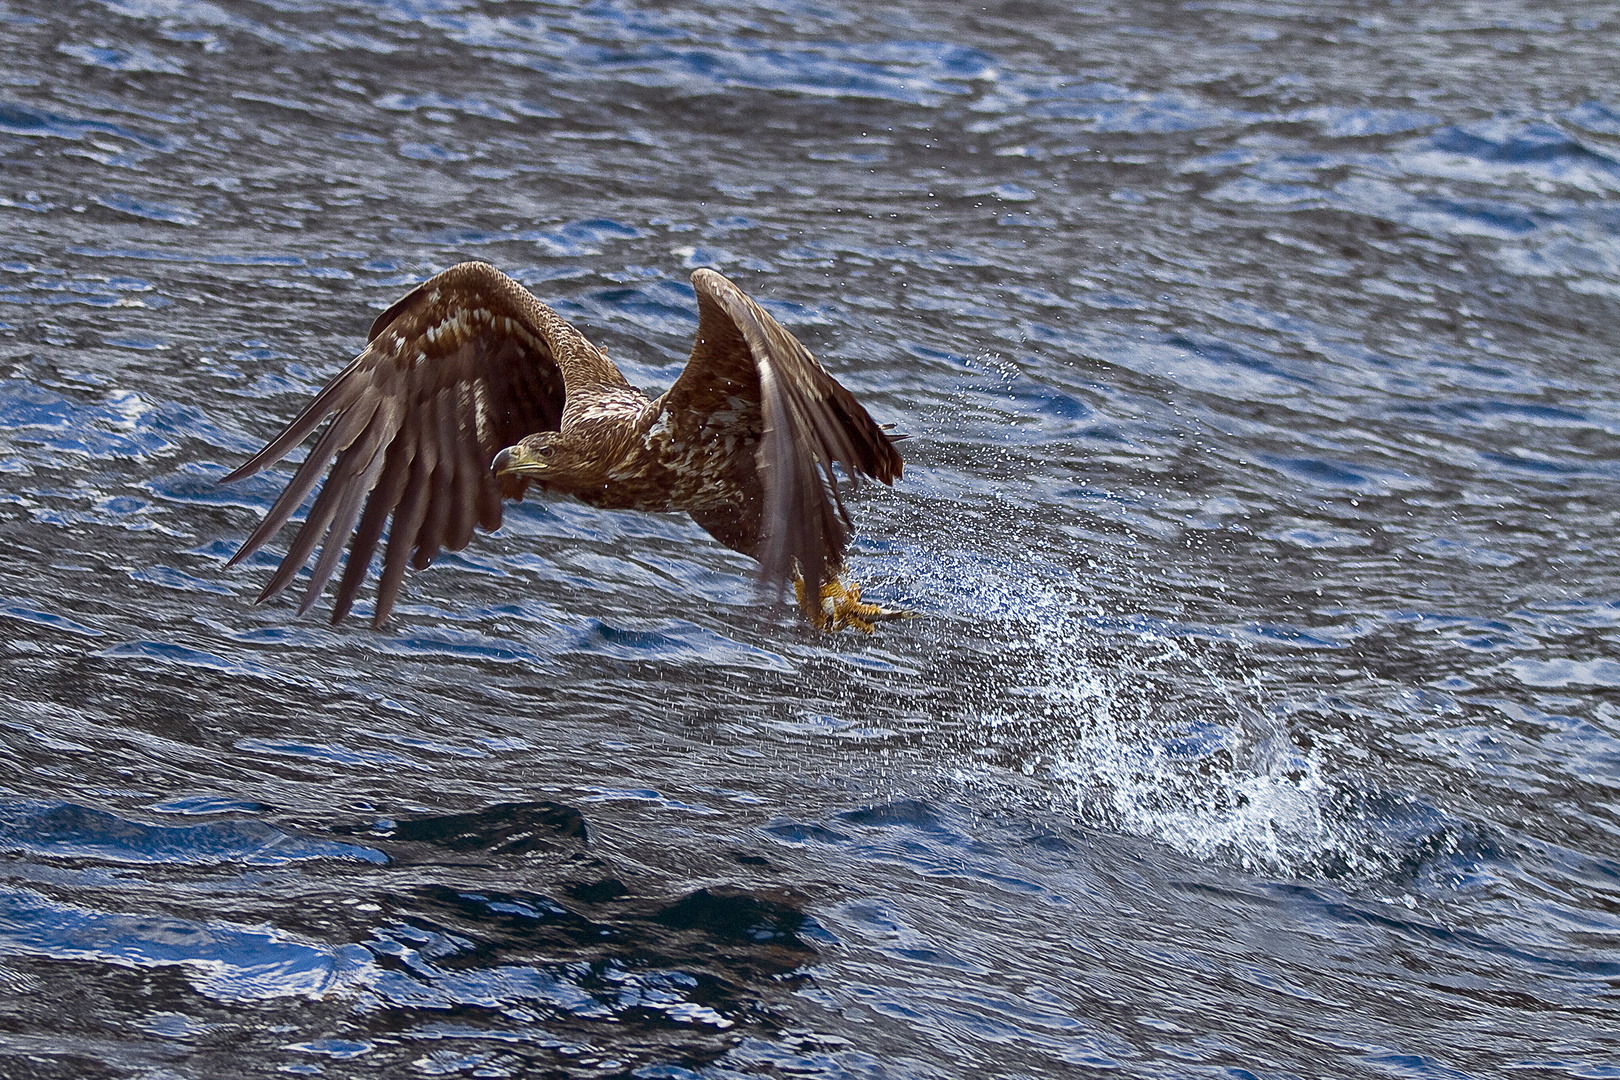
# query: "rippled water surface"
[1263,715]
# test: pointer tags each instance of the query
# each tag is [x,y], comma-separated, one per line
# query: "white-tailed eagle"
[470,389]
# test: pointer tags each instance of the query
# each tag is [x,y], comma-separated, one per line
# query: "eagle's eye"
[544,451]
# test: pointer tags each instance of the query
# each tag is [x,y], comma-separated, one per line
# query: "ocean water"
[1260,363]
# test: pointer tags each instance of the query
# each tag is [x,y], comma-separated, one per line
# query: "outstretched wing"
[466,364]
[750,379]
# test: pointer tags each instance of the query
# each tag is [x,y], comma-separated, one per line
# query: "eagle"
[470,389]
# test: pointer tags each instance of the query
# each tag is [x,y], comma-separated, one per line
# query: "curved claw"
[839,605]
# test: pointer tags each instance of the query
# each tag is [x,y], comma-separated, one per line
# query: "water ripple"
[1259,510]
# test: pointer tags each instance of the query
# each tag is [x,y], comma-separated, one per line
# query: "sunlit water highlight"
[1258,363]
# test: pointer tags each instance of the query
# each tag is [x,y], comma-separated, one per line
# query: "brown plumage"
[470,389]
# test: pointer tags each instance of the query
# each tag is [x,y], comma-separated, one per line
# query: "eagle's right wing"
[466,364]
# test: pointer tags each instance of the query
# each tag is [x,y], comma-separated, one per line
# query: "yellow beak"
[515,460]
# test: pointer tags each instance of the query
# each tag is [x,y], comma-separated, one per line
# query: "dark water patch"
[208,804]
[796,832]
[1508,143]
[142,208]
[51,621]
[908,813]
[160,655]
[161,255]
[20,119]
[513,829]
[1496,218]
[69,832]
[733,916]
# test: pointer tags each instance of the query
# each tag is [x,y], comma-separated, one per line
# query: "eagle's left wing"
[748,369]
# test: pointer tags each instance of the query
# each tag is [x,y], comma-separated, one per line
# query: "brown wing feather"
[806,423]
[467,363]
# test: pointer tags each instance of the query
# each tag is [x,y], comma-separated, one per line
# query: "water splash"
[1155,729]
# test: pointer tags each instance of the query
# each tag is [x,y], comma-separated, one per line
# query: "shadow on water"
[497,928]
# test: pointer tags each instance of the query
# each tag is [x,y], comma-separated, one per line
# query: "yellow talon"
[839,605]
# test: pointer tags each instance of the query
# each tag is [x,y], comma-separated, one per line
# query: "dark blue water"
[1263,714]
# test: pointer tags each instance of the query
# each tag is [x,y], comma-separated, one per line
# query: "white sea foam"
[1161,733]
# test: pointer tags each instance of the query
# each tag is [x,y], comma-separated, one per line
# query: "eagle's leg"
[839,605]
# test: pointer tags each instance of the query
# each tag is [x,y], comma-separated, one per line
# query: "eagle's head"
[567,462]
